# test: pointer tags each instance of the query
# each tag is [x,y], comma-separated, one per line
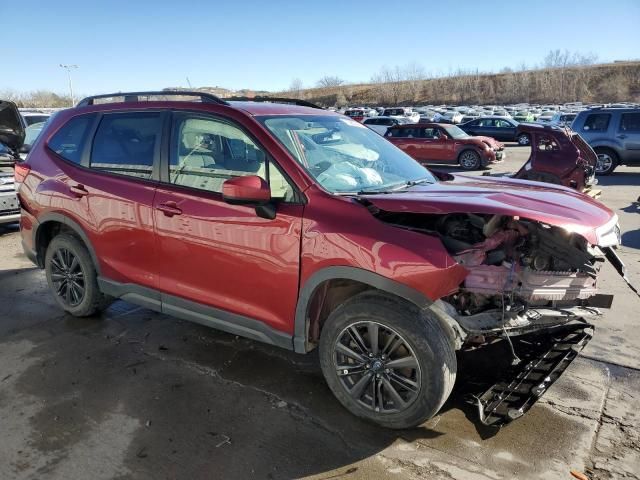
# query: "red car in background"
[357,114]
[445,144]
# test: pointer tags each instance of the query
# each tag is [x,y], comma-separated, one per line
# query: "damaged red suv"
[302,228]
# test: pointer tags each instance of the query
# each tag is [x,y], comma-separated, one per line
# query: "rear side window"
[69,141]
[127,144]
[597,122]
[630,122]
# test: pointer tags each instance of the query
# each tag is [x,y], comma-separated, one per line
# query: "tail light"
[20,172]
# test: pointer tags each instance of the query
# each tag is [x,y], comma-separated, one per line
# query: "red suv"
[304,229]
[442,143]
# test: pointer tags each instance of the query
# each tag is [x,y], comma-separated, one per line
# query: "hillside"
[595,83]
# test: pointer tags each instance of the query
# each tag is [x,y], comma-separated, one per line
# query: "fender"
[348,273]
[73,225]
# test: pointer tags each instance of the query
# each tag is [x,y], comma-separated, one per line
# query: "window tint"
[431,133]
[502,124]
[205,152]
[127,143]
[630,122]
[69,141]
[487,122]
[597,122]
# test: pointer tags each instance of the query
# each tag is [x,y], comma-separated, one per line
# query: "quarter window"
[597,122]
[205,152]
[127,144]
[630,122]
[69,141]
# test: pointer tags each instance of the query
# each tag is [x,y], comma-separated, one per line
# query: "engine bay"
[522,275]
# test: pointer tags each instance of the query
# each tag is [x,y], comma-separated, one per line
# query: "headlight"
[608,235]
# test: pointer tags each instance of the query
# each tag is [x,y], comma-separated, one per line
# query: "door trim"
[196,312]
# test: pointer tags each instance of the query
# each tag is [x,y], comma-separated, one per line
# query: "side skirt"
[196,312]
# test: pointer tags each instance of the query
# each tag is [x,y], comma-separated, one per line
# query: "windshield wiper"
[422,181]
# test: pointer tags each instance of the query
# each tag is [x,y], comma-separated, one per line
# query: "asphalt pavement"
[137,394]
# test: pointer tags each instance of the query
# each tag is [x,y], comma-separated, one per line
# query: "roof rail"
[135,96]
[291,101]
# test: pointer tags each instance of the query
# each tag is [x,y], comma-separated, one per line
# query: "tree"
[329,81]
[295,88]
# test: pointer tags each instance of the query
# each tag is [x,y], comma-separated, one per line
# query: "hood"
[491,141]
[11,128]
[553,205]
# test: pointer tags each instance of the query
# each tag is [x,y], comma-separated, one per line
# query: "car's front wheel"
[470,160]
[386,361]
[72,277]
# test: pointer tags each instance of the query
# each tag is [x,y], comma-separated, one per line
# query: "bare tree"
[330,81]
[295,88]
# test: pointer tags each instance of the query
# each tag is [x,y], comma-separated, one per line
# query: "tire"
[469,160]
[523,139]
[72,277]
[607,161]
[428,369]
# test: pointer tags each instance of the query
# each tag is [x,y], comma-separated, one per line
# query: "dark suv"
[302,228]
[614,134]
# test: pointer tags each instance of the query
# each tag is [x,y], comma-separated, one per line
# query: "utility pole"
[68,69]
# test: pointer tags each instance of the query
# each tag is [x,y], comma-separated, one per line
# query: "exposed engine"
[523,275]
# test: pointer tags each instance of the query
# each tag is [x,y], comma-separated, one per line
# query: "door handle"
[622,135]
[169,209]
[79,190]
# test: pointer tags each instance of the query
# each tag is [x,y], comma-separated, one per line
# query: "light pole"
[68,69]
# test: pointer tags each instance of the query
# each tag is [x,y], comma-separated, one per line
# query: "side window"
[487,122]
[127,144]
[630,122]
[597,122]
[502,124]
[69,141]
[430,133]
[205,152]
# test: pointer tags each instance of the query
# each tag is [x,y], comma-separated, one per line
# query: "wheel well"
[47,232]
[329,295]
[615,155]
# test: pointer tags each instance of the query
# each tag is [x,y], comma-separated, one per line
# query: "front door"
[216,254]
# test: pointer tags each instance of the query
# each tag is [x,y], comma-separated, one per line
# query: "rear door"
[224,257]
[112,197]
[629,135]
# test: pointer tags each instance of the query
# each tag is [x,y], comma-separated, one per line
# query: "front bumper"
[543,358]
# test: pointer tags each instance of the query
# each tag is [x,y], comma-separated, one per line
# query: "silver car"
[614,134]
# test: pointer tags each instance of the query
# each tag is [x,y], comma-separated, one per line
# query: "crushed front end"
[529,284]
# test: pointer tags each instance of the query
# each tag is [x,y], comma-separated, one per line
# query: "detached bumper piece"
[544,358]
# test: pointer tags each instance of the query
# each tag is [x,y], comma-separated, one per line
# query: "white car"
[382,123]
[402,112]
[451,116]
[33,116]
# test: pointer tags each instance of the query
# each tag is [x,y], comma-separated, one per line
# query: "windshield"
[455,132]
[344,156]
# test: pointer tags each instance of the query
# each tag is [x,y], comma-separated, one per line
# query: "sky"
[263,45]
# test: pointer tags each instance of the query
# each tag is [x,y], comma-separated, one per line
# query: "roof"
[265,108]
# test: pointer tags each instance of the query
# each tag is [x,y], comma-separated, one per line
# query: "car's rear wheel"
[523,139]
[470,160]
[387,362]
[72,277]
[607,161]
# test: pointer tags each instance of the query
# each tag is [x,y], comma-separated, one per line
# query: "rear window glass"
[630,122]
[69,141]
[127,144]
[597,122]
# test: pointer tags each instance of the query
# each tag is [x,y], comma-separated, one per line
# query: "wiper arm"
[422,181]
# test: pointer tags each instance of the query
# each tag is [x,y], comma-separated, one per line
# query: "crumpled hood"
[491,141]
[550,204]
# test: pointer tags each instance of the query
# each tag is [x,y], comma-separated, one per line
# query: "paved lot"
[135,394]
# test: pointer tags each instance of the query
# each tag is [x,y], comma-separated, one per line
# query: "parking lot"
[137,393]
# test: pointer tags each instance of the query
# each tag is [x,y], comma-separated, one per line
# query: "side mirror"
[249,190]
[252,191]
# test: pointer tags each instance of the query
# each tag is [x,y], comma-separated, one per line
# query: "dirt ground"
[137,394]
